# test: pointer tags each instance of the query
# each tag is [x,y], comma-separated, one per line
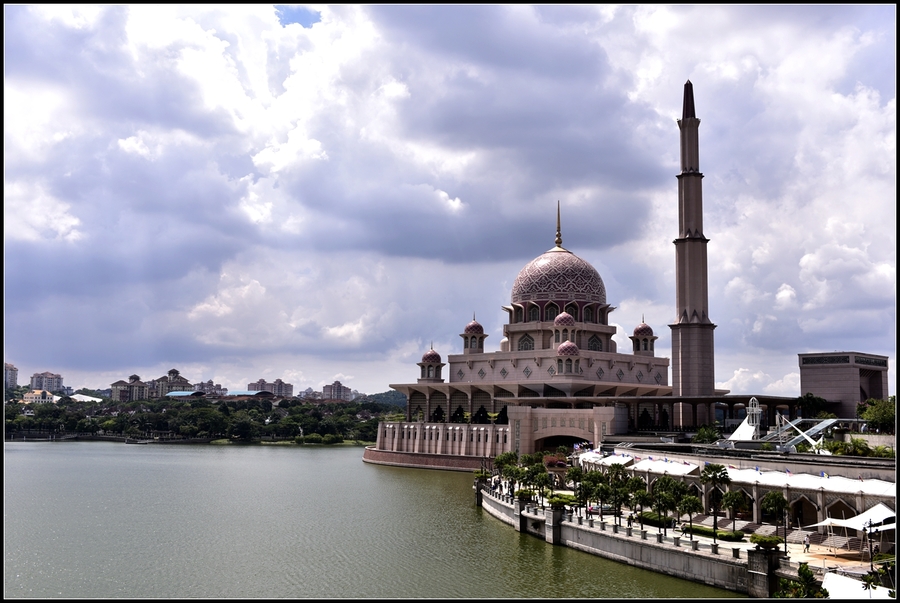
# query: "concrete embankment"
[738,569]
[447,462]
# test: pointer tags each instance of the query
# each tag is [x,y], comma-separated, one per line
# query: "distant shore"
[48,437]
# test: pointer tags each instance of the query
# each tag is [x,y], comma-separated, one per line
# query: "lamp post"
[869,538]
[785,528]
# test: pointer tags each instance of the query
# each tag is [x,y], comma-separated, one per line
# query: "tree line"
[245,419]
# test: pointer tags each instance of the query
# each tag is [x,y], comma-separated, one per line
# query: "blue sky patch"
[295,13]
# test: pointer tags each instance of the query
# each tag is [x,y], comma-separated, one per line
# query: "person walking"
[806,543]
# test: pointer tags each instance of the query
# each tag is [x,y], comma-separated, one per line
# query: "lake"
[111,520]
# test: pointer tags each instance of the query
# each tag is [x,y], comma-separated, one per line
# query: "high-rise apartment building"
[336,391]
[209,387]
[48,381]
[279,387]
[10,376]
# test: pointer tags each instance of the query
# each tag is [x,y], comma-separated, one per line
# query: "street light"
[869,537]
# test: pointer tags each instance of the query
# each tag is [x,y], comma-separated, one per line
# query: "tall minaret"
[693,365]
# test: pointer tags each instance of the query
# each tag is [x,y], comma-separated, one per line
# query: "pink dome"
[559,274]
[431,356]
[567,348]
[564,319]
[474,328]
[643,330]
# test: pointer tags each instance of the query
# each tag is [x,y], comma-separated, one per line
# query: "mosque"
[558,378]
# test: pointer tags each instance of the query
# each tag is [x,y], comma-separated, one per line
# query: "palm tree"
[665,502]
[775,503]
[734,502]
[689,505]
[618,483]
[642,499]
[602,493]
[576,476]
[715,476]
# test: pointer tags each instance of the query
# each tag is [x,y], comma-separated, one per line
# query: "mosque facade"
[558,378]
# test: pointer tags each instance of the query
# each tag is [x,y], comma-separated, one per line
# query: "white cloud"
[342,195]
[32,214]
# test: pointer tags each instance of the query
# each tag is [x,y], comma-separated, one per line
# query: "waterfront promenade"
[736,566]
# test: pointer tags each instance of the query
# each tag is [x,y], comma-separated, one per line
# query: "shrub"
[559,501]
[766,542]
[331,438]
[727,536]
[652,519]
[313,438]
[298,439]
[524,495]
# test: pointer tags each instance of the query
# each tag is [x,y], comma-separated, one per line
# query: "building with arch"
[557,378]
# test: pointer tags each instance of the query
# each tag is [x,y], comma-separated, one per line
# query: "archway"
[804,512]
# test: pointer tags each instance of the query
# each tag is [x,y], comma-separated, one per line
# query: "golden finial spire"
[558,232]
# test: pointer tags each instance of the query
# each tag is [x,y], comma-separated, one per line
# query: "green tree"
[714,476]
[775,503]
[617,478]
[707,434]
[880,415]
[805,587]
[575,475]
[543,482]
[642,499]
[811,405]
[734,501]
[689,505]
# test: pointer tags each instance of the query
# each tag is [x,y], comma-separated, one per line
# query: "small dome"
[564,319]
[474,328]
[431,356]
[567,348]
[643,330]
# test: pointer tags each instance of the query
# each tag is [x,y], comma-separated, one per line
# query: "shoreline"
[739,567]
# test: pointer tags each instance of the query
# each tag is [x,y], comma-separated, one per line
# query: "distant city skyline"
[321,194]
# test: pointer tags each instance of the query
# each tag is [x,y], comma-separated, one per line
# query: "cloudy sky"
[319,193]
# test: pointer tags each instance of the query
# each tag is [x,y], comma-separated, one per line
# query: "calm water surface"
[99,519]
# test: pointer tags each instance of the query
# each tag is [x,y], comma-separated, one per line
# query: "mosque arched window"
[518,317]
[424,372]
[526,342]
[565,335]
[573,310]
[550,312]
[556,335]
[588,315]
[430,372]
[559,369]
[644,344]
[569,365]
[534,314]
[474,342]
[595,344]
[465,342]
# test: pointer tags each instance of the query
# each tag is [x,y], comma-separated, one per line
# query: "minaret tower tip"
[693,363]
[558,231]
[688,109]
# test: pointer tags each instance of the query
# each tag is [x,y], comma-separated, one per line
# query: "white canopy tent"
[875,515]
